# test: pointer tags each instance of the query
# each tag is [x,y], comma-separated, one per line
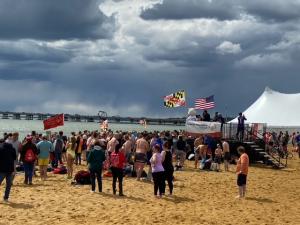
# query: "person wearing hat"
[44,147]
[7,160]
[29,154]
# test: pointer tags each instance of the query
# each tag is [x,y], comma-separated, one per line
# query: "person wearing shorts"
[242,171]
[218,156]
[44,148]
[142,147]
[226,153]
[197,145]
[140,157]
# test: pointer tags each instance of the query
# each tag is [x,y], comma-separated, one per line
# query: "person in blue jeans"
[95,160]
[7,161]
[29,154]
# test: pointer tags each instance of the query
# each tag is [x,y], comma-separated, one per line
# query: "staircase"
[258,154]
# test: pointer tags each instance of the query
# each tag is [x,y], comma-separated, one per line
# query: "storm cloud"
[124,56]
[55,19]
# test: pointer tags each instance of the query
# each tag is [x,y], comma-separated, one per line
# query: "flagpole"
[225,113]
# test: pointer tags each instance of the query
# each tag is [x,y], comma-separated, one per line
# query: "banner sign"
[196,128]
[54,121]
[257,130]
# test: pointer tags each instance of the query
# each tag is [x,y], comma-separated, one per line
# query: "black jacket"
[7,158]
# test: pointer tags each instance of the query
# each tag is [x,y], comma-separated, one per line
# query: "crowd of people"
[120,153]
[278,142]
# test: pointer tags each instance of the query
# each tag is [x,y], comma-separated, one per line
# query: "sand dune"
[199,198]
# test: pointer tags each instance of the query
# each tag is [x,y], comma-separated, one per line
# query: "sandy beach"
[200,197]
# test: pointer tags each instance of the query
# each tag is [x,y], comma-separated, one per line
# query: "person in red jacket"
[29,154]
[117,162]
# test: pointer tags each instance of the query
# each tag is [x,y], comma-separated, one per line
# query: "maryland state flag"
[176,99]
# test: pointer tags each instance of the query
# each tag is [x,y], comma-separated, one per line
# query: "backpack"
[29,156]
[83,177]
[114,160]
[59,145]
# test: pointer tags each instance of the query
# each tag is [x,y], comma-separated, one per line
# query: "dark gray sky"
[123,56]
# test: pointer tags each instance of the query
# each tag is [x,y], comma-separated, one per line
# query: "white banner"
[201,128]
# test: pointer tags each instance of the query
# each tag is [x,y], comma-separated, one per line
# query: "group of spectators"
[118,152]
[281,140]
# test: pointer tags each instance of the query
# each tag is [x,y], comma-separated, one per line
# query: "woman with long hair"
[95,160]
[71,147]
[117,162]
[157,171]
[168,166]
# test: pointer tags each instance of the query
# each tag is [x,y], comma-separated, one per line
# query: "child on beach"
[218,156]
[242,171]
[226,153]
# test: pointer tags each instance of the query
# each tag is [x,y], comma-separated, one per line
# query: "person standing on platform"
[241,127]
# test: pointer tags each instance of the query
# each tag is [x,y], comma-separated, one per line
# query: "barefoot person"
[218,156]
[226,153]
[112,144]
[197,143]
[142,146]
[242,171]
[44,147]
[7,166]
[71,147]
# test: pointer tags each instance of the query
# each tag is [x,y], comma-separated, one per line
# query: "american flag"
[205,103]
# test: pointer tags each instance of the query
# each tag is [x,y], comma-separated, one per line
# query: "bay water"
[25,127]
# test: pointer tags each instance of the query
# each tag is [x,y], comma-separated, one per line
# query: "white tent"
[275,109]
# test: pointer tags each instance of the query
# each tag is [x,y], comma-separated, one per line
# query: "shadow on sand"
[121,197]
[33,185]
[177,199]
[17,205]
[260,200]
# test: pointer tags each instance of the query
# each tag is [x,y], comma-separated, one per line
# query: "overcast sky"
[123,56]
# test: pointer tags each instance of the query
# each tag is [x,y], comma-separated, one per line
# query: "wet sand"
[199,198]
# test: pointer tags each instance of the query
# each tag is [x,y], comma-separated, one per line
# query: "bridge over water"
[92,118]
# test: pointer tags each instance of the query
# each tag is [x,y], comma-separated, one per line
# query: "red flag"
[54,121]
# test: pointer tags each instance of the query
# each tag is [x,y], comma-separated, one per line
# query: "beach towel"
[83,177]
[60,170]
